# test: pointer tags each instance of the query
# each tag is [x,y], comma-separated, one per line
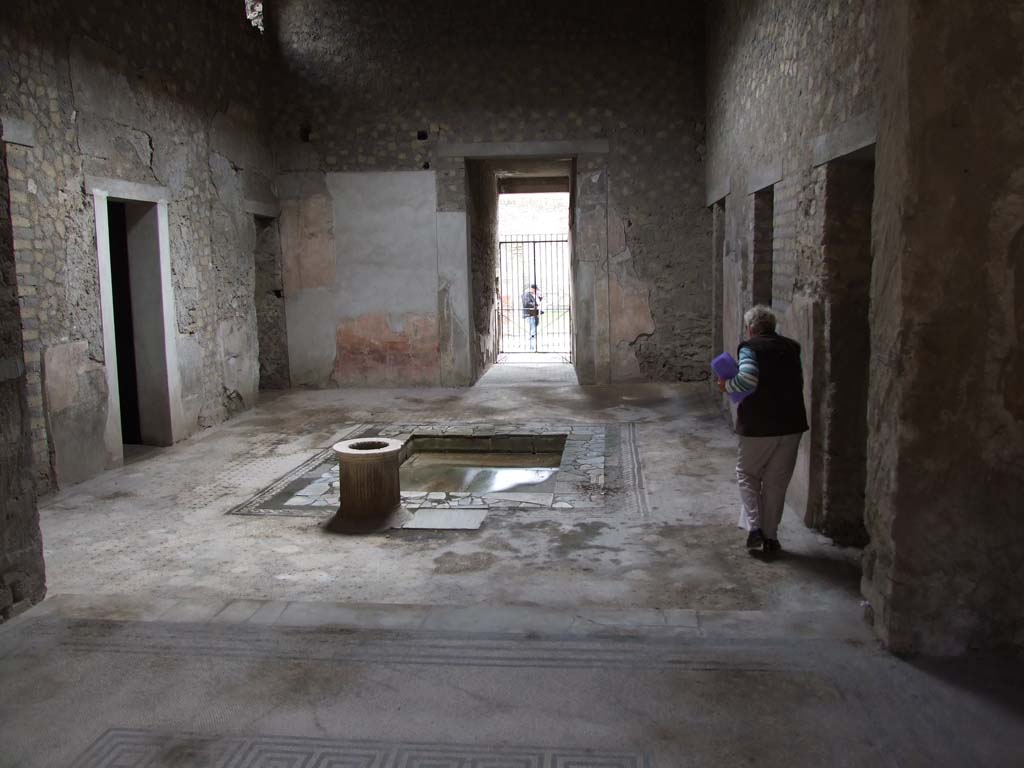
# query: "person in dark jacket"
[532,312]
[770,421]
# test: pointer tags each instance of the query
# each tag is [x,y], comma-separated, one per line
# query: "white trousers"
[764,466]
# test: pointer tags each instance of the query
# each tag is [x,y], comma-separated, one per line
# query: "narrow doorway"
[764,246]
[846,247]
[268,295]
[717,275]
[534,278]
[137,296]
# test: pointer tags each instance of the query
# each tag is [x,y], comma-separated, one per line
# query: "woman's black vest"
[776,407]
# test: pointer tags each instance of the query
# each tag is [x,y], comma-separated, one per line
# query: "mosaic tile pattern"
[600,465]
[126,748]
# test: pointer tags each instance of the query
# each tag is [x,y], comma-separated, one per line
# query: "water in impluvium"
[480,472]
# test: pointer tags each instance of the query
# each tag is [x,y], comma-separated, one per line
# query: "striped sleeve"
[746,379]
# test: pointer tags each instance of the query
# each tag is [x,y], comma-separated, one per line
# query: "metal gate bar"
[543,260]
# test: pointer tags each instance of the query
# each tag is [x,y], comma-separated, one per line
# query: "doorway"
[534,277]
[138,320]
[846,248]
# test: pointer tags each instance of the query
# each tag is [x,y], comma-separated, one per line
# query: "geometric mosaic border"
[130,748]
[256,504]
[618,469]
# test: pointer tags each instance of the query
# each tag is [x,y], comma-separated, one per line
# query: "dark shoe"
[755,539]
[772,545]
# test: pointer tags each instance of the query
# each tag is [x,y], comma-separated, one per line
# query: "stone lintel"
[18,131]
[127,190]
[718,190]
[506,149]
[514,186]
[262,208]
[856,133]
[763,177]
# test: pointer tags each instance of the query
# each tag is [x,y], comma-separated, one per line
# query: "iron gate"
[541,260]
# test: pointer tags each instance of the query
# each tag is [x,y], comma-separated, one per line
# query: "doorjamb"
[102,191]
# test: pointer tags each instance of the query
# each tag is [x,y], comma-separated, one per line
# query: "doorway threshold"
[136,453]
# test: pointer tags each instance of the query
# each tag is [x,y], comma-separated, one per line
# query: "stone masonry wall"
[782,73]
[945,486]
[779,75]
[164,94]
[22,578]
[361,80]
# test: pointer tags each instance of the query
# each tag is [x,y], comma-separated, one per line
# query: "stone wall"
[791,85]
[482,209]
[367,86]
[22,578]
[946,481]
[132,91]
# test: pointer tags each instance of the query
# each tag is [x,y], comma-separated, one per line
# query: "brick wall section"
[784,208]
[39,303]
[366,76]
[22,578]
[131,91]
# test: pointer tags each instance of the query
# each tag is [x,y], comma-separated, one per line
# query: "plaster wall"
[943,572]
[130,92]
[361,279]
[360,82]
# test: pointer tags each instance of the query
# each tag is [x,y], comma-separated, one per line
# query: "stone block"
[76,396]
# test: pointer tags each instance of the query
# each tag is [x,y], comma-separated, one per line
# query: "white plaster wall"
[384,234]
[380,272]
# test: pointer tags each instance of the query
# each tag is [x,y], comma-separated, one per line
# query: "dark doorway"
[124,333]
[764,245]
[137,295]
[717,257]
[846,247]
[271,325]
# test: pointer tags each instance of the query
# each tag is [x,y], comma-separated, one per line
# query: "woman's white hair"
[760,319]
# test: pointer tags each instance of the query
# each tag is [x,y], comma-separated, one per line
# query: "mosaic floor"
[126,748]
[598,463]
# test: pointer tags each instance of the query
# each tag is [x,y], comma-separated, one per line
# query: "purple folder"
[726,367]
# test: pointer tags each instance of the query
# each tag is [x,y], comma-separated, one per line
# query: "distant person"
[769,422]
[532,312]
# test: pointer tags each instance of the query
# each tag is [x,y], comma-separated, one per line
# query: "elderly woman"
[769,422]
